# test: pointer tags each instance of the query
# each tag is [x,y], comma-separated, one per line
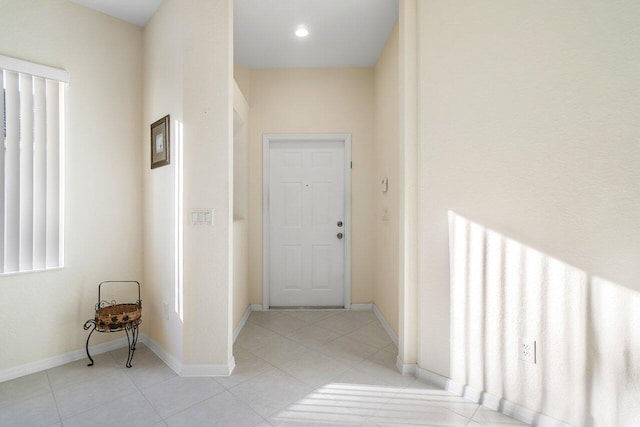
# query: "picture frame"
[160,142]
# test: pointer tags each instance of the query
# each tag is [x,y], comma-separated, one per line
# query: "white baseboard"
[208,370]
[491,401]
[52,362]
[167,358]
[242,322]
[406,369]
[256,307]
[385,324]
[188,370]
[361,307]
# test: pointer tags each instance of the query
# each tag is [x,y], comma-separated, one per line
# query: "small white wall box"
[201,216]
[527,350]
[384,184]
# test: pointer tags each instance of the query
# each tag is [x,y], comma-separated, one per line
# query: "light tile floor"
[294,368]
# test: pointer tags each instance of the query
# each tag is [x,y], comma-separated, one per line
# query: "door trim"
[267,139]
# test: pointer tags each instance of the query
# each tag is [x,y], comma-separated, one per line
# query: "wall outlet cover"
[527,350]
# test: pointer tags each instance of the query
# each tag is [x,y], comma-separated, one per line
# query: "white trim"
[256,307]
[187,370]
[406,369]
[242,322]
[26,67]
[488,400]
[62,359]
[208,370]
[265,223]
[167,358]
[347,220]
[40,270]
[361,307]
[72,356]
[266,140]
[385,324]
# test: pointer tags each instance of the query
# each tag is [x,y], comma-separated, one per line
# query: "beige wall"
[103,188]
[208,183]
[195,87]
[528,126]
[330,100]
[162,96]
[240,206]
[408,185]
[242,76]
[386,133]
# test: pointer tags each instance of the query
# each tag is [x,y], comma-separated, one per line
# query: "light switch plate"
[201,216]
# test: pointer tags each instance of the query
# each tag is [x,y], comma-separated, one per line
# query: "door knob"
[340,235]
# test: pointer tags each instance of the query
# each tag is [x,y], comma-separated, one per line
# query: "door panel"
[306,200]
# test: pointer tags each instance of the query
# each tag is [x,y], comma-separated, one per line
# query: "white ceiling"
[137,12]
[342,33]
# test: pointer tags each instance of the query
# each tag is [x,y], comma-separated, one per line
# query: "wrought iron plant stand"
[113,317]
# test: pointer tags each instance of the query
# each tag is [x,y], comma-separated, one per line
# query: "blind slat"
[53,241]
[26,172]
[39,174]
[12,173]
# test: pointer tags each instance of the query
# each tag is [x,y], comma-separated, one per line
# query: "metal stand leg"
[86,326]
[132,343]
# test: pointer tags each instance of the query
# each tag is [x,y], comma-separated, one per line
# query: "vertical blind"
[31,171]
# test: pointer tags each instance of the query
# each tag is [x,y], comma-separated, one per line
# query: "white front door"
[306,223]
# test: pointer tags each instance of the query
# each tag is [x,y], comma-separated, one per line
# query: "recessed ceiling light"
[302,31]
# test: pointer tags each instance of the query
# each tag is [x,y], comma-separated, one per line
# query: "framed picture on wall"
[160,139]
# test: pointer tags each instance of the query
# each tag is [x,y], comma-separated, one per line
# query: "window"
[31,166]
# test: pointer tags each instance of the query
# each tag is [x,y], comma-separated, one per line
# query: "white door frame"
[267,139]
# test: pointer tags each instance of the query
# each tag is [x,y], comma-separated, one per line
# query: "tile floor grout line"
[178,412]
[474,413]
[190,406]
[53,393]
[313,349]
[349,368]
[142,393]
[251,407]
[94,407]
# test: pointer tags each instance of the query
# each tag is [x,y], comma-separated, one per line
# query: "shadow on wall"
[587,330]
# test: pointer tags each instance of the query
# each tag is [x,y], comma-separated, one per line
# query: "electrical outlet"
[527,350]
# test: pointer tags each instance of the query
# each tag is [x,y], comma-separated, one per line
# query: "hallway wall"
[386,136]
[240,206]
[162,96]
[195,330]
[317,100]
[528,126]
[103,185]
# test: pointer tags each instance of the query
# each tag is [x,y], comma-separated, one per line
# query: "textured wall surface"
[103,189]
[586,330]
[240,206]
[162,96]
[386,134]
[208,179]
[529,127]
[327,100]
